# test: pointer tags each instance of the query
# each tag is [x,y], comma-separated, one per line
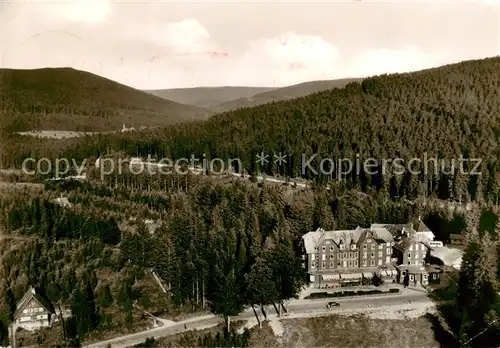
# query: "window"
[380,262]
[355,263]
[332,256]
[313,257]
[350,263]
[25,311]
[373,254]
[341,246]
[313,264]
[23,319]
[41,316]
[409,255]
[365,255]
[387,259]
[417,262]
[434,276]
[388,244]
[323,264]
[323,248]
[331,264]
[339,255]
[368,240]
[356,254]
[426,276]
[380,254]
[350,255]
[411,277]
[332,249]
[345,255]
[417,255]
[364,263]
[344,263]
[411,247]
[373,246]
[323,257]
[353,246]
[388,251]
[372,262]
[380,246]
[339,264]
[364,247]
[315,248]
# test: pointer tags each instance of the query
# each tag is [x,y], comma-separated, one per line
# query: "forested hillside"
[217,238]
[283,93]
[69,99]
[225,242]
[441,113]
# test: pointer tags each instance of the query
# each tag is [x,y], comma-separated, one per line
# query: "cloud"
[382,61]
[87,12]
[82,11]
[186,36]
[287,59]
[158,48]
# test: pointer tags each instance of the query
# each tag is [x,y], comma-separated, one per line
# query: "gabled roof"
[35,294]
[419,226]
[382,234]
[405,243]
[394,229]
[316,238]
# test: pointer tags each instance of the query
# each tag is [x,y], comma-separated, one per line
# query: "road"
[303,307]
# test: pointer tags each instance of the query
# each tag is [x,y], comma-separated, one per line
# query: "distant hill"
[69,99]
[208,97]
[284,93]
[446,114]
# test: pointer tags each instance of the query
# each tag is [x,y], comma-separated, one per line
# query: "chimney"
[419,218]
[32,290]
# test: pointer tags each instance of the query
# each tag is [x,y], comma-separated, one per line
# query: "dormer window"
[353,246]
[341,244]
[332,249]
[380,246]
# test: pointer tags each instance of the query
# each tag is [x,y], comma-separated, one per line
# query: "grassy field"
[339,331]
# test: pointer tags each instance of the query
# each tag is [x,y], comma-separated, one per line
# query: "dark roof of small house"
[456,236]
[38,296]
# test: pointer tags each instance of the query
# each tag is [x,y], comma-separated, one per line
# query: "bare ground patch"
[352,331]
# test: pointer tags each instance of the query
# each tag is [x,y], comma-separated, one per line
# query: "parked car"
[332,304]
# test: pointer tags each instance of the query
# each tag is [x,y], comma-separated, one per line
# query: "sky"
[179,44]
